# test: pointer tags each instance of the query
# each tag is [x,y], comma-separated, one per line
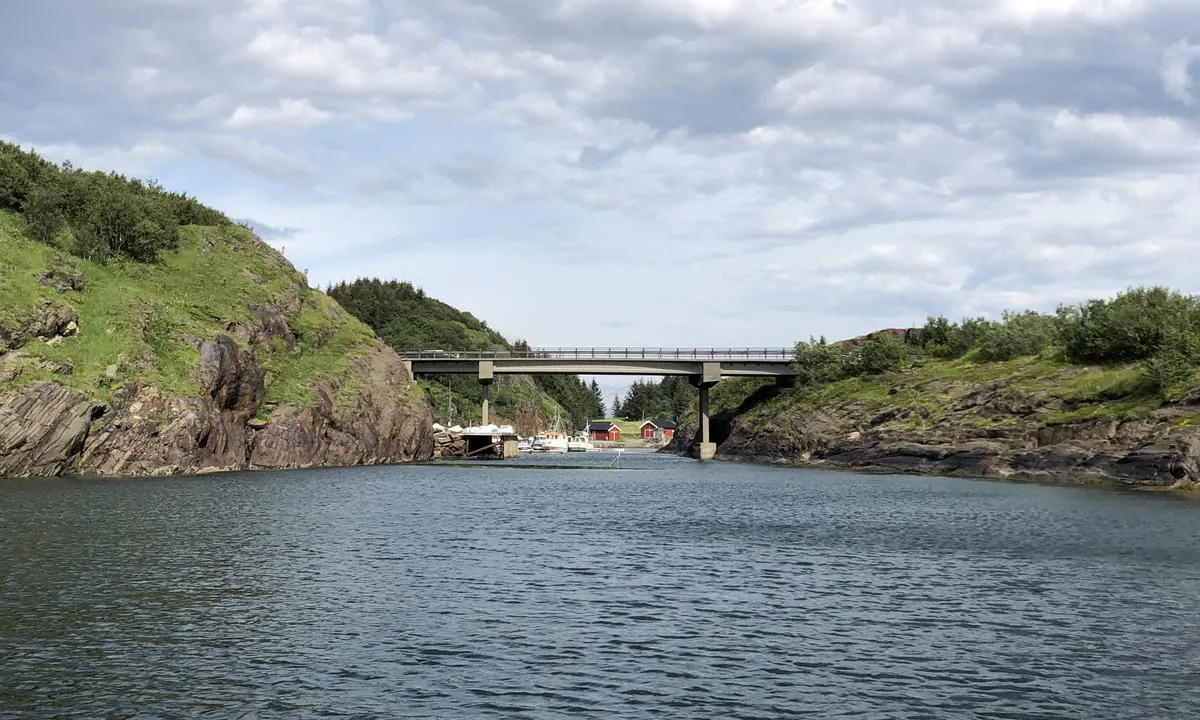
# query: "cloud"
[270,233]
[764,169]
[1176,71]
[288,111]
[261,158]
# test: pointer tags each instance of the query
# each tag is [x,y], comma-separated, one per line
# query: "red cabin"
[604,431]
[658,430]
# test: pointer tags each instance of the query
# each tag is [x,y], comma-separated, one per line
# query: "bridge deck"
[608,353]
[727,362]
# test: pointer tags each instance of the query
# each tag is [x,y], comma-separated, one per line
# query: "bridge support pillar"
[708,449]
[486,410]
[710,375]
[486,375]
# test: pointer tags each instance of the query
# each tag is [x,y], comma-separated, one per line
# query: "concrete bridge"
[704,367]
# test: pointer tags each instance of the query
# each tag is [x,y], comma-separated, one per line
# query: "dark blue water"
[663,588]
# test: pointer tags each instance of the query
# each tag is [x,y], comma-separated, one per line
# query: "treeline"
[1156,325]
[407,319]
[582,402]
[93,214]
[667,399]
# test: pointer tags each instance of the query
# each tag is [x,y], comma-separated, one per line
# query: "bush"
[44,216]
[1018,335]
[1174,361]
[882,353]
[109,214]
[818,362]
[1133,326]
[947,340]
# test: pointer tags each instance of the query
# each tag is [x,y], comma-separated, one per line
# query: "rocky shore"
[240,366]
[991,430]
[49,429]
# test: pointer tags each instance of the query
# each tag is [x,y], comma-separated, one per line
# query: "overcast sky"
[658,172]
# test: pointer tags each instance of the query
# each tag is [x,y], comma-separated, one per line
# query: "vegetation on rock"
[135,341]
[1106,389]
[407,319]
[1156,327]
[95,215]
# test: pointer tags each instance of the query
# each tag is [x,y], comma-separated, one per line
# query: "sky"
[653,172]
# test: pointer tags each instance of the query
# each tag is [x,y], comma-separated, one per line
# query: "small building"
[658,430]
[605,431]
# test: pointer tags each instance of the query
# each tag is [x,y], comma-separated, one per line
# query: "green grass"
[934,387]
[147,319]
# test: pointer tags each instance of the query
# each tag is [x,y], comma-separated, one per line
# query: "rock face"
[43,430]
[992,431]
[51,322]
[370,416]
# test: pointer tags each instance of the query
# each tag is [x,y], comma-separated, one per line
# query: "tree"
[597,401]
[680,395]
[1018,335]
[109,214]
[1135,325]
[817,362]
[882,353]
[44,216]
[616,406]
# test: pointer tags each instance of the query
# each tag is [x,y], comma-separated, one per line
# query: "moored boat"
[550,441]
[579,443]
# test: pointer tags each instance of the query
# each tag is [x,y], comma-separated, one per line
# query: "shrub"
[1133,326]
[109,214]
[1018,335]
[818,362]
[882,353]
[944,339]
[1174,361]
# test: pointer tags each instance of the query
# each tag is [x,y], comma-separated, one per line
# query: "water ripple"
[665,589]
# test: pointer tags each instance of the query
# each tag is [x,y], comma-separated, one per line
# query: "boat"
[525,445]
[551,441]
[579,443]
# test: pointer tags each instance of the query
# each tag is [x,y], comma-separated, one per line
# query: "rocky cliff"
[1017,420]
[219,357]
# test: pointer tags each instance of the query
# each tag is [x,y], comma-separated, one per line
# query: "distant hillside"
[407,319]
[133,341]
[1108,390]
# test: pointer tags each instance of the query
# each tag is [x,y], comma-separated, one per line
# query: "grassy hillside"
[146,318]
[1041,389]
[407,319]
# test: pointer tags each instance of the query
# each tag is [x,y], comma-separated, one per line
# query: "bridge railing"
[608,353]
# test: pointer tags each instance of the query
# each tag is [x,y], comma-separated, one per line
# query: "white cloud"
[288,111]
[1176,71]
[769,168]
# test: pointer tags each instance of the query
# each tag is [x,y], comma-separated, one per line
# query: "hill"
[407,319]
[1107,391]
[134,341]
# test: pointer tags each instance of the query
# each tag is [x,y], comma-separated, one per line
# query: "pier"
[704,367]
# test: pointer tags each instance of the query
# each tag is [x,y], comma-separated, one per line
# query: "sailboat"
[553,440]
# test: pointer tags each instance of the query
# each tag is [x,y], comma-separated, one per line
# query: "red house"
[658,429]
[604,431]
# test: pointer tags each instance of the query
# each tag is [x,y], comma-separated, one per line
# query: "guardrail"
[608,353]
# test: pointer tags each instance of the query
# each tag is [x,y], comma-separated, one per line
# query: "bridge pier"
[486,376]
[708,449]
[710,375]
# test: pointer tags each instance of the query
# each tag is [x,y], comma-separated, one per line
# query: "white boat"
[550,442]
[579,443]
[553,440]
[525,445]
